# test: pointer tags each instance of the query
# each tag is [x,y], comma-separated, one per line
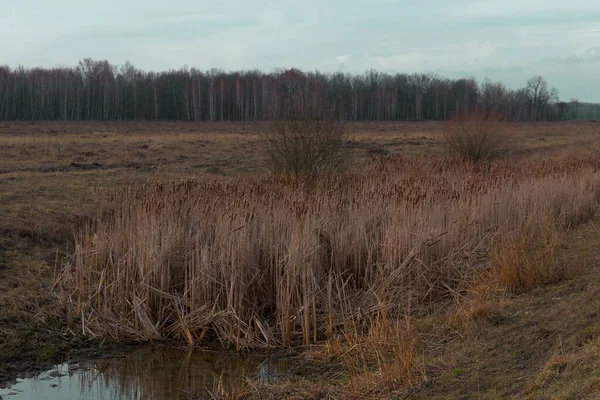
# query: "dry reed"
[283,261]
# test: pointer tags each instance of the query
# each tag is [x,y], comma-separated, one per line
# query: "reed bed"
[284,261]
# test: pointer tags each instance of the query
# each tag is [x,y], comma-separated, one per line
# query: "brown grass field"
[410,275]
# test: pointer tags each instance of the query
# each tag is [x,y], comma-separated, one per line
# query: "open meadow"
[409,275]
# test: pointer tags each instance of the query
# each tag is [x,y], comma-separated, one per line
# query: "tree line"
[97,90]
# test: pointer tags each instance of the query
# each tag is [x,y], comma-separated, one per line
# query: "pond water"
[149,373]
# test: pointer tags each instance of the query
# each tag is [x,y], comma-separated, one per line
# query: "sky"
[506,40]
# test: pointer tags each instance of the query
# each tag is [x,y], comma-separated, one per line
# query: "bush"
[475,136]
[305,140]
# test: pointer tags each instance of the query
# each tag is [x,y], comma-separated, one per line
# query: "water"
[149,373]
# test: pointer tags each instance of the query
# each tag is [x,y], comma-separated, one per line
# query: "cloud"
[343,59]
[462,36]
[593,32]
[407,61]
[532,10]
[591,55]
[455,55]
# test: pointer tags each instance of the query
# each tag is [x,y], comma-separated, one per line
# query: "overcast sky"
[507,40]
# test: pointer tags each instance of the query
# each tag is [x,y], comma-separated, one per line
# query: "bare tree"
[562,108]
[492,95]
[539,96]
[96,90]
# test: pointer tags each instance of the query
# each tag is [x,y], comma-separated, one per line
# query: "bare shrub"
[305,140]
[475,136]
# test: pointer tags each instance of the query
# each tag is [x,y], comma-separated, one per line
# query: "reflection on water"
[149,373]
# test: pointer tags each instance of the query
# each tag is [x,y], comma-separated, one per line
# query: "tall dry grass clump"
[282,261]
[523,260]
[476,136]
[383,358]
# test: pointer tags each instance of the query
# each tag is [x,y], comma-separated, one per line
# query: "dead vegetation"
[284,261]
[476,136]
[352,262]
[305,140]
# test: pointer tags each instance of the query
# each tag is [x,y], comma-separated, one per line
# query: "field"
[408,275]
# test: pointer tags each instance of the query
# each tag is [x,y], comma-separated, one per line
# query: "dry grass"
[144,149]
[527,259]
[383,360]
[570,375]
[259,262]
[282,261]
